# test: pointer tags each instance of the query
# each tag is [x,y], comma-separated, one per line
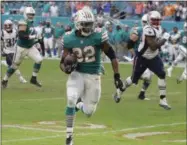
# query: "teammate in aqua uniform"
[182,55]
[48,34]
[84,83]
[27,38]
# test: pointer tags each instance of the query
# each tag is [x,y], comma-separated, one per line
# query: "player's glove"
[118,82]
[166,36]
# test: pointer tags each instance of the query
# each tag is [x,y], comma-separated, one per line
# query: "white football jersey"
[149,31]
[9,41]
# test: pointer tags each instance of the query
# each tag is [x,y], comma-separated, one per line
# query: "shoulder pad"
[149,31]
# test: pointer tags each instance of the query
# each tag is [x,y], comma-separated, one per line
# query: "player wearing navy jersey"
[132,45]
[9,38]
[147,56]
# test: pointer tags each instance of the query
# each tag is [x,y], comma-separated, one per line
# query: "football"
[70,59]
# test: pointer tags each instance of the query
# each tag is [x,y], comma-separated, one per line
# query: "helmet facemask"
[86,28]
[30,17]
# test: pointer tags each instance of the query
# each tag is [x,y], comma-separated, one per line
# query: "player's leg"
[75,87]
[9,59]
[146,77]
[139,66]
[17,59]
[183,76]
[91,95]
[50,44]
[156,65]
[46,45]
[58,46]
[175,62]
[34,54]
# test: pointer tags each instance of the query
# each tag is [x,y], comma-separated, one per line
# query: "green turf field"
[34,116]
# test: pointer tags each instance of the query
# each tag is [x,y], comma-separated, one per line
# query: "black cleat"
[4,83]
[35,82]
[69,140]
[142,96]
[79,100]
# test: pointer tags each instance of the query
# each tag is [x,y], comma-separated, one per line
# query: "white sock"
[34,74]
[162,87]
[5,77]
[18,73]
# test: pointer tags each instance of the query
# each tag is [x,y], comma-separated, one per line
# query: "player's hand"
[118,82]
[166,36]
[68,68]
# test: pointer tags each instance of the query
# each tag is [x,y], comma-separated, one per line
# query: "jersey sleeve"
[66,42]
[104,36]
[148,31]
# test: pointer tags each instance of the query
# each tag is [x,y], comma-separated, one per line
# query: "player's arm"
[111,54]
[152,42]
[65,53]
[131,42]
[22,27]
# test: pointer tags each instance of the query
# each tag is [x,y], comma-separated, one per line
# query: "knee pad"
[89,109]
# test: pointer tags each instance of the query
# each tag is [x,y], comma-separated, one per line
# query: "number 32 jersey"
[87,49]
[9,41]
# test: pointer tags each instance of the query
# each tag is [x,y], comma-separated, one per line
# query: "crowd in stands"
[117,9]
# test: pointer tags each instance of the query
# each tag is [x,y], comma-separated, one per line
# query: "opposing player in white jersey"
[132,45]
[148,56]
[9,38]
[182,54]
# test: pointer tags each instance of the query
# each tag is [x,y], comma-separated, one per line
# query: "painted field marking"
[143,134]
[62,98]
[96,133]
[179,141]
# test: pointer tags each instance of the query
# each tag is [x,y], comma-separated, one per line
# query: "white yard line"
[32,128]
[96,133]
[177,141]
[62,98]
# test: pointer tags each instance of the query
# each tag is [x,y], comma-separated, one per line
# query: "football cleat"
[4,83]
[179,80]
[117,96]
[69,140]
[22,80]
[169,72]
[78,101]
[35,82]
[142,96]
[163,103]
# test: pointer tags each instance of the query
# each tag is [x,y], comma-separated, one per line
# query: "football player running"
[84,83]
[182,54]
[27,38]
[132,45]
[148,57]
[9,38]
